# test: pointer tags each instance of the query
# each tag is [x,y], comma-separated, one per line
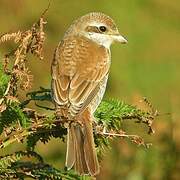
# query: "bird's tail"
[81,151]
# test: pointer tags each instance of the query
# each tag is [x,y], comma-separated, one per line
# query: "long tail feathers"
[70,154]
[80,163]
[81,151]
[89,150]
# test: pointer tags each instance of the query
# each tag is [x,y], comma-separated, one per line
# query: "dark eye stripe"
[92,29]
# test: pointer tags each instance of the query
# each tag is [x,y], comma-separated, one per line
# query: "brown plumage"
[79,74]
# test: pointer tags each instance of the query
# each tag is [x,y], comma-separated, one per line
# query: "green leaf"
[3,81]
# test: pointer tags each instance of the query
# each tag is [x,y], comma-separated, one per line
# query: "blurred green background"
[149,65]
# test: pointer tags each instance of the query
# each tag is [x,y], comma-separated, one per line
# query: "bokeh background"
[148,66]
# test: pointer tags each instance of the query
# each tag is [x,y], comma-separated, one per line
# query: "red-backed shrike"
[79,75]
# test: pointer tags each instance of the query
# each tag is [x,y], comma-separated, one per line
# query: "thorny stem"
[118,135]
[23,133]
[10,140]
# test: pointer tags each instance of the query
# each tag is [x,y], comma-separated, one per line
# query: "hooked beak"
[119,38]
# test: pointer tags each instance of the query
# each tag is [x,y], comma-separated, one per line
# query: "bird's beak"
[119,38]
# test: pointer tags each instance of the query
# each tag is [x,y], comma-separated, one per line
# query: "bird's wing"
[78,68]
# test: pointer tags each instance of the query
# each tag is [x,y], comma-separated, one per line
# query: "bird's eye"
[102,28]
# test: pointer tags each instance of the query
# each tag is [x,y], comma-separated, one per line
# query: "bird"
[80,70]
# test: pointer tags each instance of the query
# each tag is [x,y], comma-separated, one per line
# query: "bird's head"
[97,27]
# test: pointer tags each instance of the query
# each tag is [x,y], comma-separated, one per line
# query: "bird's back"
[79,67]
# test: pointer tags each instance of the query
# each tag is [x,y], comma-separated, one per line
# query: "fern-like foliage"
[44,134]
[109,117]
[15,167]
